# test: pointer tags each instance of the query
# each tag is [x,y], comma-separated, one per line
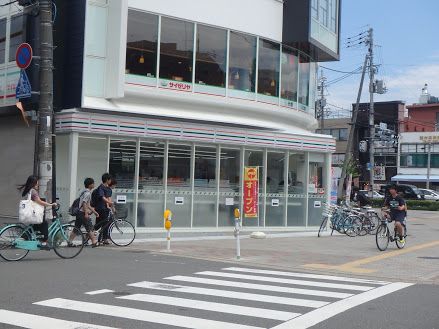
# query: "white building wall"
[415,137]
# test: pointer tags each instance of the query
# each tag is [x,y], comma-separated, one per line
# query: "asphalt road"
[168,291]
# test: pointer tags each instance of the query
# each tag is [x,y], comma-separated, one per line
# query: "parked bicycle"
[383,235]
[16,240]
[121,232]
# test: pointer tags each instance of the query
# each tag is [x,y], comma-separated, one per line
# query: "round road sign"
[23,56]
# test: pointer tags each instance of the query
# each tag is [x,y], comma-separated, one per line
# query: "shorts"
[82,221]
[402,221]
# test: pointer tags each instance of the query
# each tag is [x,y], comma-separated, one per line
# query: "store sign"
[379,173]
[430,138]
[181,86]
[121,199]
[251,190]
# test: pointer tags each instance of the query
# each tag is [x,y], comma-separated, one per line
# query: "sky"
[406,35]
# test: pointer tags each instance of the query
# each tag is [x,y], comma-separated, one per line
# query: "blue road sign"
[23,89]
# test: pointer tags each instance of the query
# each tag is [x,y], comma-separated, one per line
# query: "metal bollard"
[236,232]
[168,224]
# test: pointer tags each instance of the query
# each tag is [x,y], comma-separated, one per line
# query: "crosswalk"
[228,298]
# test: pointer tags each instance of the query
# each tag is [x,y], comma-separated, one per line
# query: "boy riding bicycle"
[397,211]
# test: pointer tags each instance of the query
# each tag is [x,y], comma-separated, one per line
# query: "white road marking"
[254,286]
[286,281]
[140,315]
[231,294]
[304,275]
[214,307]
[98,292]
[32,321]
[314,317]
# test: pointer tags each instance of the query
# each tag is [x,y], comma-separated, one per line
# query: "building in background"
[175,99]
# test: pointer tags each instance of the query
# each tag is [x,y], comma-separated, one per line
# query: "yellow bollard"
[167,216]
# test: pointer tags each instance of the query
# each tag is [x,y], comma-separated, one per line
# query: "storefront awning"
[415,178]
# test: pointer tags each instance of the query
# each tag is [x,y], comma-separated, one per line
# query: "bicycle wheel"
[374,223]
[122,232]
[8,251]
[322,226]
[382,237]
[352,225]
[399,244]
[61,245]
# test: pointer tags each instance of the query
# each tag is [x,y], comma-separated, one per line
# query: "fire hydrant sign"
[251,190]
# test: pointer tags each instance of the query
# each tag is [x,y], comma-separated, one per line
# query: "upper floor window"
[242,62]
[176,50]
[268,68]
[2,40]
[304,75]
[326,12]
[289,74]
[141,57]
[16,34]
[211,56]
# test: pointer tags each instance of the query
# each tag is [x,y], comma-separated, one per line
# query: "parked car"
[376,194]
[408,192]
[430,194]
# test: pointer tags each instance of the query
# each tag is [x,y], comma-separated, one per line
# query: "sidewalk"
[303,251]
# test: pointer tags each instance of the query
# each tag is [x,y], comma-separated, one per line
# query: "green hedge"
[412,204]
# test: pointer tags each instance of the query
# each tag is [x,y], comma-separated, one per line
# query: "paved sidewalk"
[418,261]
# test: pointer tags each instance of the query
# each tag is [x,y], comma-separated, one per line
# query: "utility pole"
[45,111]
[352,132]
[322,101]
[371,112]
[428,165]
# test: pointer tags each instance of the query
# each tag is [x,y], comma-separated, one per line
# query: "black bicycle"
[383,235]
[120,231]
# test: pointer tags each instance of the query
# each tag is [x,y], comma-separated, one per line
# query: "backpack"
[94,197]
[74,208]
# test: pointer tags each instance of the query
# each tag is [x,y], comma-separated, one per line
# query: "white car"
[375,194]
[429,194]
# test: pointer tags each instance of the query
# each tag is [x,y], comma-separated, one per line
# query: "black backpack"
[94,197]
[74,208]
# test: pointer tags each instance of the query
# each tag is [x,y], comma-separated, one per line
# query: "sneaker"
[401,240]
[71,244]
[44,246]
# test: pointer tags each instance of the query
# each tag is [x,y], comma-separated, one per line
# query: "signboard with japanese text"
[176,85]
[251,190]
[379,173]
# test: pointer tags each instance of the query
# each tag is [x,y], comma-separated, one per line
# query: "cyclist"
[85,210]
[31,187]
[359,198]
[101,198]
[398,210]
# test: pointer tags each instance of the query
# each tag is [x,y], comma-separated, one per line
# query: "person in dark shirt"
[398,210]
[360,198]
[102,204]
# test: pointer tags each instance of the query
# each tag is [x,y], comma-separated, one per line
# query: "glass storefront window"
[122,169]
[268,68]
[179,198]
[210,66]
[304,76]
[3,40]
[141,56]
[296,189]
[151,197]
[242,62]
[229,196]
[16,35]
[289,77]
[176,50]
[255,159]
[274,215]
[205,187]
[316,191]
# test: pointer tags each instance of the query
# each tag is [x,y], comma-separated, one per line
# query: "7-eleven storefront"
[196,170]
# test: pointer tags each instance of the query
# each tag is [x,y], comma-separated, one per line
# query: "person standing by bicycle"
[31,187]
[398,210]
[101,200]
[85,211]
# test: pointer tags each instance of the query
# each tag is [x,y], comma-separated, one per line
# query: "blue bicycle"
[16,240]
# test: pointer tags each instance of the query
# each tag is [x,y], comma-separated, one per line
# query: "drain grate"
[432,258]
[416,224]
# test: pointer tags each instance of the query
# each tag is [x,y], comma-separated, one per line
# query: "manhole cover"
[433,258]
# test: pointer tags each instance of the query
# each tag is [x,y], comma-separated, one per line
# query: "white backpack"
[30,212]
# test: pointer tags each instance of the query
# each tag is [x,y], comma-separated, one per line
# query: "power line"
[9,3]
[344,72]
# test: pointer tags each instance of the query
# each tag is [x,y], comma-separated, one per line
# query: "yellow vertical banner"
[251,192]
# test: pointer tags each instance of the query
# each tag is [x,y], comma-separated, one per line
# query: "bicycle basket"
[121,211]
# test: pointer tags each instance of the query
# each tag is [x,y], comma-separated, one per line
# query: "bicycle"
[383,235]
[16,240]
[121,232]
